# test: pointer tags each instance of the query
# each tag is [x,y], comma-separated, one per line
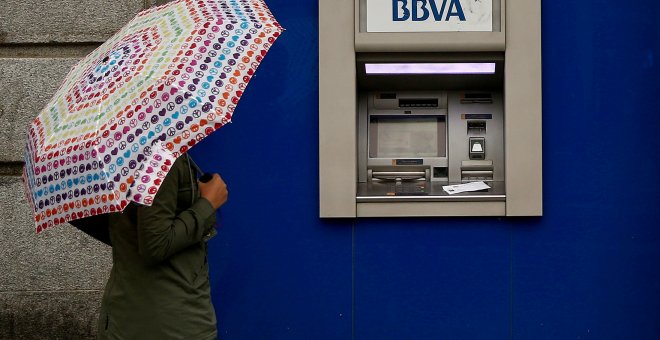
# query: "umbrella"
[169,78]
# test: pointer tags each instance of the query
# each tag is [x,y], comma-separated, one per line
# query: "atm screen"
[407,136]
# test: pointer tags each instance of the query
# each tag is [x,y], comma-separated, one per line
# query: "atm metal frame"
[342,36]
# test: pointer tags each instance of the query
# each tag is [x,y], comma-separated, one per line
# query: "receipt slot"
[429,108]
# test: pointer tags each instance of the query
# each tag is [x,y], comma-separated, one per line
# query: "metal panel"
[522,89]
[340,38]
[405,209]
[431,41]
[459,137]
[337,108]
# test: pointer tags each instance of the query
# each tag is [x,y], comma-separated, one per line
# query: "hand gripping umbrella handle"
[206,177]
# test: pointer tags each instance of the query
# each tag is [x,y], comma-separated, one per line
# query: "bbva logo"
[418,10]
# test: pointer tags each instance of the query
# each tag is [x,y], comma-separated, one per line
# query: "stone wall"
[51,283]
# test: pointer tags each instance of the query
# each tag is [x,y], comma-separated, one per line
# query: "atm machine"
[416,96]
[412,143]
[426,121]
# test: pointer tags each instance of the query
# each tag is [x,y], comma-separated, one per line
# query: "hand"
[215,191]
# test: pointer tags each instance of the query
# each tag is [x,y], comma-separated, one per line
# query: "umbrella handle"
[206,177]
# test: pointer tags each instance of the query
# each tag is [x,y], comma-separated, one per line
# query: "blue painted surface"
[588,269]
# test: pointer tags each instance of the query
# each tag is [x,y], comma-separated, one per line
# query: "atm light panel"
[430,68]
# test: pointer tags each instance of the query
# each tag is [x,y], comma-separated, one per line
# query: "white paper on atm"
[458,188]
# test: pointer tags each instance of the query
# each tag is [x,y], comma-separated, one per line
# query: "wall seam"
[353,226]
[52,291]
[11,169]
[511,298]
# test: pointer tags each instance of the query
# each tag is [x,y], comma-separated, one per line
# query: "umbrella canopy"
[170,77]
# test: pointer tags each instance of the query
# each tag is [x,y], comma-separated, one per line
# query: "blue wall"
[588,269]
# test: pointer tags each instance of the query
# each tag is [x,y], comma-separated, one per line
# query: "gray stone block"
[61,258]
[49,315]
[41,21]
[26,86]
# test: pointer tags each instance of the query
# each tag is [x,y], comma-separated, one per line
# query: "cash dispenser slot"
[477,170]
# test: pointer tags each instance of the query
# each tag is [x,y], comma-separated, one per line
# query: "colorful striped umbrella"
[169,78]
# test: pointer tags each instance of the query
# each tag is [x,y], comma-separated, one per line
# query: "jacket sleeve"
[161,232]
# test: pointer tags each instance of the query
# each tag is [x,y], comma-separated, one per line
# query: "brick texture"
[61,258]
[49,315]
[26,86]
[43,21]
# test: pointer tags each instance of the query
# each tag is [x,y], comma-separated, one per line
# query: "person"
[159,286]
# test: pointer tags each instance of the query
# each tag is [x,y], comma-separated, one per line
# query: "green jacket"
[159,286]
